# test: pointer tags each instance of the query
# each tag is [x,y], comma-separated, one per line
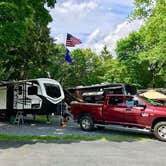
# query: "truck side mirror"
[32,90]
[135,102]
[140,107]
[144,106]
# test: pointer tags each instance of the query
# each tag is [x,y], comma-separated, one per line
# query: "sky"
[95,22]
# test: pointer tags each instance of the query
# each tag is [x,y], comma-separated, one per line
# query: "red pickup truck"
[126,110]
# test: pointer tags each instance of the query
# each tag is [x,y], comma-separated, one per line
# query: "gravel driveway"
[39,128]
[82,153]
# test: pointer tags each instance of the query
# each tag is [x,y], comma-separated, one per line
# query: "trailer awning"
[152,94]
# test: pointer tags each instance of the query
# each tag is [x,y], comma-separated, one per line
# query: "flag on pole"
[68,56]
[71,41]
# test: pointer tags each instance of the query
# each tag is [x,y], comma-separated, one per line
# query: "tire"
[86,123]
[160,131]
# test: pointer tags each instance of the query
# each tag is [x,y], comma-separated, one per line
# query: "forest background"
[27,51]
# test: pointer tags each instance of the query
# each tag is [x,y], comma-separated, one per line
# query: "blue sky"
[95,22]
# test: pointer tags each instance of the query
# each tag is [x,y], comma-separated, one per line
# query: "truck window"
[116,100]
[129,101]
[52,90]
[93,99]
[133,101]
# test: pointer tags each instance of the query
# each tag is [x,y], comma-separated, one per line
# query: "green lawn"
[73,137]
[125,137]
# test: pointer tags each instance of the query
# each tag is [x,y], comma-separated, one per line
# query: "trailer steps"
[19,118]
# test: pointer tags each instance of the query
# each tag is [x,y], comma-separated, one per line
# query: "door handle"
[128,109]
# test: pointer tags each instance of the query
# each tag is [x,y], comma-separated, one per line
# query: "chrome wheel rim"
[86,124]
[162,132]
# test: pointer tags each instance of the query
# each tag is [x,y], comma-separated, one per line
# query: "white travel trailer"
[40,96]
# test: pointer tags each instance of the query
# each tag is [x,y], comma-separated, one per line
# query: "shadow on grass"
[10,141]
[71,134]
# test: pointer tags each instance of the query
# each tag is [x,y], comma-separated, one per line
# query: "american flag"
[71,41]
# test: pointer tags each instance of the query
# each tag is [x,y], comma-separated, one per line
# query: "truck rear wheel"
[160,131]
[86,123]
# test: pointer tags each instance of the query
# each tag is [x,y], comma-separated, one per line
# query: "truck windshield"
[151,102]
[52,90]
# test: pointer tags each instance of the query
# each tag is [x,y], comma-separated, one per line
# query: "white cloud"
[92,37]
[103,20]
[71,6]
[72,9]
[122,30]
[83,16]
[59,39]
[72,17]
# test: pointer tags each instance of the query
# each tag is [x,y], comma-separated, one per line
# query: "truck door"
[114,112]
[135,113]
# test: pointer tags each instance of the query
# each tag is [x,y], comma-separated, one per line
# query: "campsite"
[82,82]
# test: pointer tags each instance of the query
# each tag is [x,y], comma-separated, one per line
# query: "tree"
[154,36]
[115,72]
[128,54]
[144,8]
[58,67]
[143,52]
[24,38]
[105,54]
[84,70]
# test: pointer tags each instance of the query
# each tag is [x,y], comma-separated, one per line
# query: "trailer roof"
[103,85]
[21,81]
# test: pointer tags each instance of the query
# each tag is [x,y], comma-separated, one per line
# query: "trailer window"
[52,90]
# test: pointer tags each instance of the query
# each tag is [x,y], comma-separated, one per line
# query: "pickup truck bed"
[80,108]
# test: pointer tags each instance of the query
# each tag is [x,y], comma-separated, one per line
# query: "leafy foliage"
[27,51]
[154,36]
[84,70]
[24,37]
[144,8]
[141,57]
[127,54]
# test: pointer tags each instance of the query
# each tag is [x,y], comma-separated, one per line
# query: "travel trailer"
[40,96]
[95,93]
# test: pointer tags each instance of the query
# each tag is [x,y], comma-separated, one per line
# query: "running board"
[120,127]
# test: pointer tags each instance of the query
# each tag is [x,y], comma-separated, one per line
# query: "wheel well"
[157,121]
[84,114]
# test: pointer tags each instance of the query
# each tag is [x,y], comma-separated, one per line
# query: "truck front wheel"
[86,123]
[160,131]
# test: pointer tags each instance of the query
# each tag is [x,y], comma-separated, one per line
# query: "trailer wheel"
[86,123]
[160,131]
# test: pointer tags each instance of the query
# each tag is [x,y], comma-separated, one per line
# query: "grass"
[43,118]
[71,138]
